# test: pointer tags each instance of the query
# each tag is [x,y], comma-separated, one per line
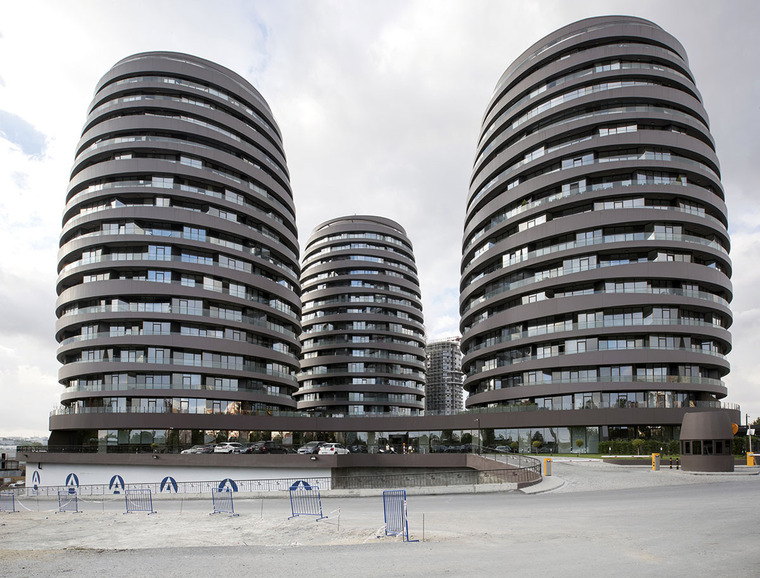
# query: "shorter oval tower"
[363,338]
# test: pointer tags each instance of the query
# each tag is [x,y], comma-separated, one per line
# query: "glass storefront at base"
[549,440]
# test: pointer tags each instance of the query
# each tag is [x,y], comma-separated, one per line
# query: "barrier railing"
[67,501]
[305,500]
[7,502]
[138,501]
[395,513]
[222,502]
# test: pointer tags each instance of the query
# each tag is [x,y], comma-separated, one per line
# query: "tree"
[537,444]
[579,445]
[637,443]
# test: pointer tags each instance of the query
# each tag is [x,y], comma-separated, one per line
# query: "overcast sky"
[379,104]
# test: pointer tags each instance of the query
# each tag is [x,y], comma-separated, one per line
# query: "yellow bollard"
[750,459]
[547,466]
[655,462]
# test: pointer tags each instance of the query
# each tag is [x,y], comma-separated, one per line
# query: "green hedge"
[647,447]
[672,448]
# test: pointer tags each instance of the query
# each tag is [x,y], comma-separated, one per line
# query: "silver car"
[310,448]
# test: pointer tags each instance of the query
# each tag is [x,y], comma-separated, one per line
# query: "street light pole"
[746,417]
[477,422]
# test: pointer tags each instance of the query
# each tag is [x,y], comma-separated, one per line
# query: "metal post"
[477,422]
[746,417]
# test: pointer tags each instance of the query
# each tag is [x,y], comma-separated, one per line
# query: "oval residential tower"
[595,269]
[178,266]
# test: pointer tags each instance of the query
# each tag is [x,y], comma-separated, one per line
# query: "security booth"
[706,442]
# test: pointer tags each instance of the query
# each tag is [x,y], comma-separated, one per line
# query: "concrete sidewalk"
[589,474]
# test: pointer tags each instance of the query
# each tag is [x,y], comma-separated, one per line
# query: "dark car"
[268,448]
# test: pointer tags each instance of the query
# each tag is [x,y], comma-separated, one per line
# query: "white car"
[332,449]
[228,448]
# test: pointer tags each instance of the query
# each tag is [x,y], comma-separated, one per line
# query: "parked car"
[358,449]
[268,447]
[199,450]
[503,449]
[332,449]
[310,448]
[228,448]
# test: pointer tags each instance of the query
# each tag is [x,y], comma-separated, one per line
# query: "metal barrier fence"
[305,500]
[222,502]
[68,502]
[7,502]
[138,501]
[394,510]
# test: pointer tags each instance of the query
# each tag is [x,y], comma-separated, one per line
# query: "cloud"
[21,180]
[21,133]
[22,314]
[380,104]
[28,390]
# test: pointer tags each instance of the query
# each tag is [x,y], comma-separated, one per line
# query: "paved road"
[683,526]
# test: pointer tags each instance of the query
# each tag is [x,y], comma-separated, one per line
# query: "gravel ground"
[587,519]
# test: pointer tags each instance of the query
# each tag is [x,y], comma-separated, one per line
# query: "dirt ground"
[587,519]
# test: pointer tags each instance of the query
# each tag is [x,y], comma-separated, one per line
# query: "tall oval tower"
[595,268]
[363,338]
[178,264]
